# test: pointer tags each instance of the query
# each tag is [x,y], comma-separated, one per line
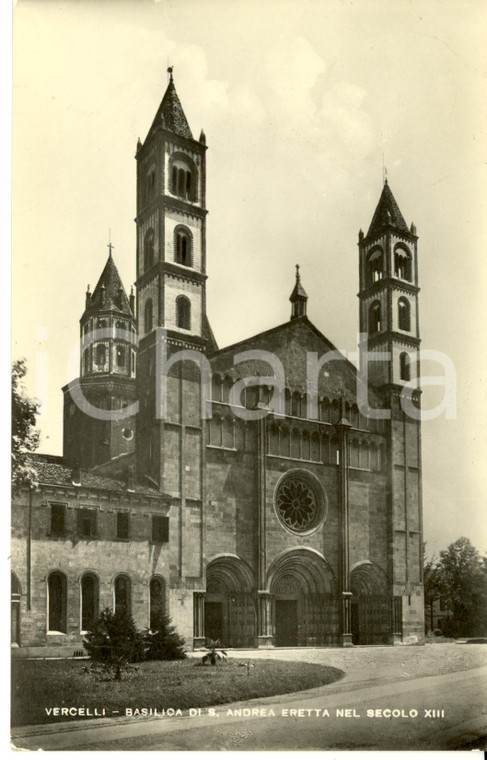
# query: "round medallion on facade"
[300,502]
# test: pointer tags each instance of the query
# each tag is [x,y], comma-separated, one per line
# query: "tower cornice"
[168,201]
[396,283]
[392,335]
[166,134]
[388,229]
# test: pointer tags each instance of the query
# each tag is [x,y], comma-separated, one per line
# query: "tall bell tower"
[171,278]
[171,226]
[389,323]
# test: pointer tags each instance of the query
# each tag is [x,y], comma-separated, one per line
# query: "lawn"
[38,685]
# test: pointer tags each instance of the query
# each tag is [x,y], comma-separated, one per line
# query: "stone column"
[199,620]
[265,639]
[343,427]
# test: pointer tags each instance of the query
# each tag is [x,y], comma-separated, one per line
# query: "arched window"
[296,444]
[284,442]
[183,312]
[150,184]
[375,266]
[100,355]
[183,178]
[374,458]
[404,314]
[325,410]
[402,264]
[157,592]
[182,246]
[354,453]
[315,447]
[56,592]
[374,318]
[404,368]
[364,455]
[14,609]
[148,315]
[273,440]
[287,401]
[121,356]
[296,404]
[228,433]
[122,594]
[148,249]
[86,359]
[89,601]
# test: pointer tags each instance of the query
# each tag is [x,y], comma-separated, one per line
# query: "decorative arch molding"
[304,568]
[368,579]
[183,245]
[375,264]
[87,571]
[183,174]
[402,247]
[229,573]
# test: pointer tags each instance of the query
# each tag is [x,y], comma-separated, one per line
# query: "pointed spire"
[387,213]
[298,298]
[109,292]
[170,114]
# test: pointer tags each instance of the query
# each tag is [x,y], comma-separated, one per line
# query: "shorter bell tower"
[99,424]
[389,294]
[389,324]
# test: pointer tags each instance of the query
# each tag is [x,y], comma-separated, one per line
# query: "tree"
[431,587]
[114,642]
[164,642]
[25,439]
[462,583]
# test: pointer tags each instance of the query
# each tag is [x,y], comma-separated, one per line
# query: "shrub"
[113,643]
[215,653]
[163,643]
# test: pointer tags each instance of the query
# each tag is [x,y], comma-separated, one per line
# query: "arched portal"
[230,613]
[371,611]
[305,608]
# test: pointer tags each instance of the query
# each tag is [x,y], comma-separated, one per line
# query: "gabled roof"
[52,471]
[387,214]
[114,296]
[170,114]
[290,342]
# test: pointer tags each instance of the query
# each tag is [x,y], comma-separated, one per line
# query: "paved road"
[330,717]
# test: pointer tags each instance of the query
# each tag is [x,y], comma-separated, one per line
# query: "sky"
[303,104]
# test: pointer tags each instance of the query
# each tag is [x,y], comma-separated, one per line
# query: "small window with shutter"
[160,529]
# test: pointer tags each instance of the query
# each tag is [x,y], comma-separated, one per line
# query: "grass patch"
[181,684]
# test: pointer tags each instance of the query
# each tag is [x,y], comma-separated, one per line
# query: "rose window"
[297,505]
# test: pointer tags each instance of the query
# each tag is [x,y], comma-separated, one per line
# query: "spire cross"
[170,69]
[384,171]
[110,245]
[297,273]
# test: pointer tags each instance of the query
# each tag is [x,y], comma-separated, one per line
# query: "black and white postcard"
[248,476]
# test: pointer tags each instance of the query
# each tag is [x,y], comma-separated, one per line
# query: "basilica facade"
[265,494]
